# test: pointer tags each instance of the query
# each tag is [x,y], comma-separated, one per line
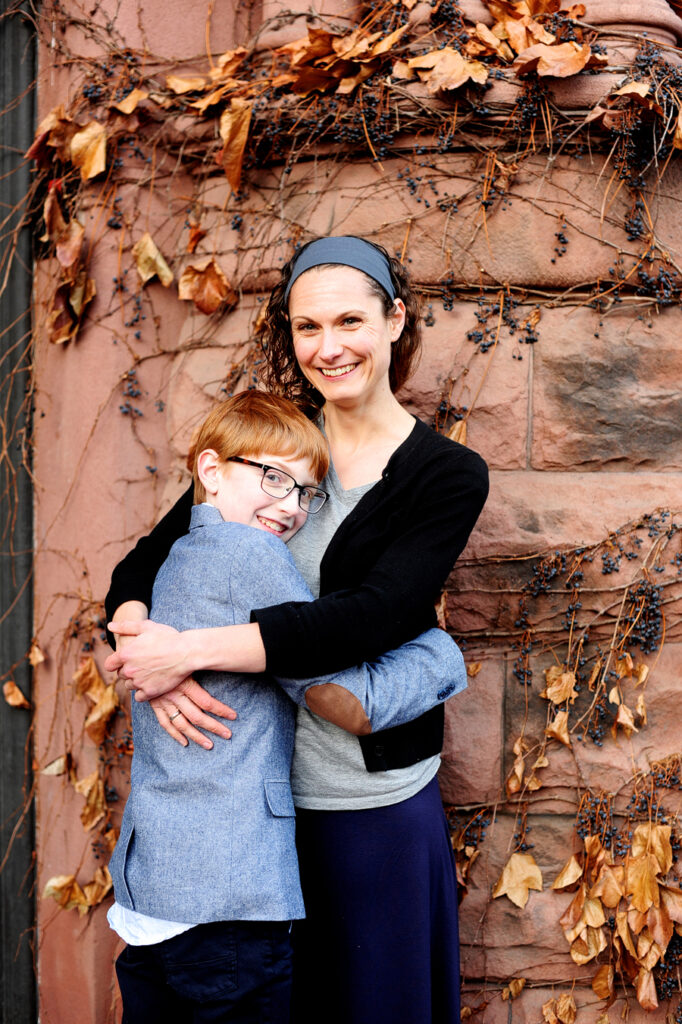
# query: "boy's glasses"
[278,484]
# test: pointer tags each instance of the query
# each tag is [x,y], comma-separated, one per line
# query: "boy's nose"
[289,503]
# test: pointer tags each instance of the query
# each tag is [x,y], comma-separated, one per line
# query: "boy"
[205,871]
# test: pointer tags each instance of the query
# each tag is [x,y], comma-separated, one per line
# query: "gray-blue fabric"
[350,252]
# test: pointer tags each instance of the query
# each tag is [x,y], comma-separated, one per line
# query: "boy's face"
[240,498]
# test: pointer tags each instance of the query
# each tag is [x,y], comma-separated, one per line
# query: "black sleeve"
[133,578]
[395,601]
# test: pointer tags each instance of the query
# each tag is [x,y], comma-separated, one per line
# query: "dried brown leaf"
[640,709]
[594,673]
[641,673]
[55,131]
[55,224]
[559,61]
[130,102]
[59,766]
[650,838]
[645,988]
[548,1014]
[569,874]
[97,721]
[558,729]
[206,286]
[446,69]
[589,945]
[14,696]
[519,875]
[87,680]
[180,85]
[513,989]
[234,131]
[458,432]
[642,883]
[99,888]
[560,685]
[92,788]
[602,983]
[660,925]
[565,1008]
[68,245]
[677,136]
[624,666]
[672,901]
[623,929]
[89,150]
[196,233]
[473,668]
[609,887]
[626,720]
[149,261]
[66,891]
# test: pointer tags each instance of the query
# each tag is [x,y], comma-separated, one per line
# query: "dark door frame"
[17,828]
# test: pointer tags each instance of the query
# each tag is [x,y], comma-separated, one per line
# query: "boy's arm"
[399,686]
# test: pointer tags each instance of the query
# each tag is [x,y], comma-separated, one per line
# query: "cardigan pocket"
[279,798]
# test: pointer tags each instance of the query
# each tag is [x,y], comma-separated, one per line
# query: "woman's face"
[342,338]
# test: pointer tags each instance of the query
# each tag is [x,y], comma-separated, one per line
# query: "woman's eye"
[352,320]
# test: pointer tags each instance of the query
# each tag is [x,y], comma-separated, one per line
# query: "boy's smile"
[235,490]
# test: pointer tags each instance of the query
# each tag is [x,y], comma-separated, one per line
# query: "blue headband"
[350,252]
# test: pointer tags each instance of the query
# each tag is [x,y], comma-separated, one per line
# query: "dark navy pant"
[236,971]
[380,942]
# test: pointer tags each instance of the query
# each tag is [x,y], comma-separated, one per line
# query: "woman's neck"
[362,440]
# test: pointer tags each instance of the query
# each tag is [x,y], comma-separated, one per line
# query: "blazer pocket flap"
[279,798]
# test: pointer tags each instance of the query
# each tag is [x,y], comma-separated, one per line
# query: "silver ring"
[175,715]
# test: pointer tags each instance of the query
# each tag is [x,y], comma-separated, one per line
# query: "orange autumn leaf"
[206,286]
[560,685]
[149,261]
[68,245]
[624,933]
[609,887]
[69,302]
[589,945]
[650,838]
[99,888]
[645,988]
[672,901]
[626,720]
[677,137]
[548,1014]
[128,104]
[87,681]
[660,925]
[458,432]
[571,919]
[570,873]
[513,989]
[14,696]
[473,668]
[565,1008]
[558,61]
[642,883]
[180,85]
[59,766]
[234,131]
[55,224]
[519,875]
[446,69]
[92,788]
[55,131]
[558,729]
[196,233]
[97,721]
[89,150]
[602,983]
[66,891]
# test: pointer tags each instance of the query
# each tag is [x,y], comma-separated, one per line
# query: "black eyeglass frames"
[278,484]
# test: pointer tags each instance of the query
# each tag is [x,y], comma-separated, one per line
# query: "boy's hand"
[184,708]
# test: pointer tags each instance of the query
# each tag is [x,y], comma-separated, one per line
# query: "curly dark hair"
[280,372]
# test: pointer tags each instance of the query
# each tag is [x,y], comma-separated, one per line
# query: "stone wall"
[574,402]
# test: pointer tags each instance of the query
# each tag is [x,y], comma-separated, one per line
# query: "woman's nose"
[330,345]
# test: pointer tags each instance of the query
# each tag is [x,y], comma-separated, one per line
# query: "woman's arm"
[442,502]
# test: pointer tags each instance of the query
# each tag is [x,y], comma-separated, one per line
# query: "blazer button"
[379,750]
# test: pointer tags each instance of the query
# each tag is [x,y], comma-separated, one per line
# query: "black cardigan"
[380,577]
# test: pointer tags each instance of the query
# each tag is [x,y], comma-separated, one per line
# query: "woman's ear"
[396,319]
[208,464]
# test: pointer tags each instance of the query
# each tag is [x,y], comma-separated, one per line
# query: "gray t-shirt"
[329,771]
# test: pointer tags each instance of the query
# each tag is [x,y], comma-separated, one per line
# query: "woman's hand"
[153,659]
[182,709]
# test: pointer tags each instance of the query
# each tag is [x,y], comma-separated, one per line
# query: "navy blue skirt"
[380,942]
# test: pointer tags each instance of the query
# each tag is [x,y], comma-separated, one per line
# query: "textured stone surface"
[605,390]
[472,766]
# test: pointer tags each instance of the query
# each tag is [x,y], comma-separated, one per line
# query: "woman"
[380,942]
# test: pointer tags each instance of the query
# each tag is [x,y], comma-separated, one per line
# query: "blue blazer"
[208,835]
